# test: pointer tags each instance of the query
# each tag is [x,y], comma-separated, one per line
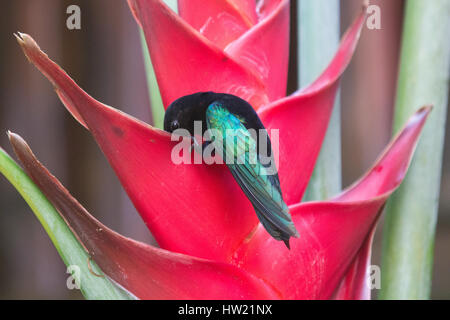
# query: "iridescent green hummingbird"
[232,119]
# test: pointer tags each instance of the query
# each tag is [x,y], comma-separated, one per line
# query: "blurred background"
[105,59]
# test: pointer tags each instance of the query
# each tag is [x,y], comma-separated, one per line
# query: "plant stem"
[411,214]
[156,104]
[318,31]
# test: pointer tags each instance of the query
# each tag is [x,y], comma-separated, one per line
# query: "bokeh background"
[105,58]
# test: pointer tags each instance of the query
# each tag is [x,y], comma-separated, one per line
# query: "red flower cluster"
[212,246]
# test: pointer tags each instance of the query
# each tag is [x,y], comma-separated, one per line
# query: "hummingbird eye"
[174,125]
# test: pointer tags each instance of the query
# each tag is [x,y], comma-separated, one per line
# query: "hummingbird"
[232,119]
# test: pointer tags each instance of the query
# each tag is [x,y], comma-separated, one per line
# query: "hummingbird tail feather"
[274,231]
[286,242]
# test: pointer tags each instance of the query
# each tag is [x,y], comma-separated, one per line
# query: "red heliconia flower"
[211,245]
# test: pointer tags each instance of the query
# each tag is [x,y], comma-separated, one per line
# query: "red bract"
[212,246]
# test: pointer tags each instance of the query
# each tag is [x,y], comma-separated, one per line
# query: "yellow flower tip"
[18,37]
[13,137]
[29,46]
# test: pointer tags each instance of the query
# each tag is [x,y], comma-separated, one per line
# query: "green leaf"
[318,30]
[68,247]
[411,213]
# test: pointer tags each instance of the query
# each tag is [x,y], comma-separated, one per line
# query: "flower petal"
[333,232]
[390,169]
[302,119]
[221,21]
[189,208]
[145,271]
[265,49]
[355,284]
[186,62]
[247,8]
[266,7]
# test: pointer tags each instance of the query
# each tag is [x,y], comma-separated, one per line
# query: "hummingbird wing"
[261,186]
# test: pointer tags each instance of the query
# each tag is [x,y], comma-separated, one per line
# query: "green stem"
[411,214]
[156,103]
[318,31]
